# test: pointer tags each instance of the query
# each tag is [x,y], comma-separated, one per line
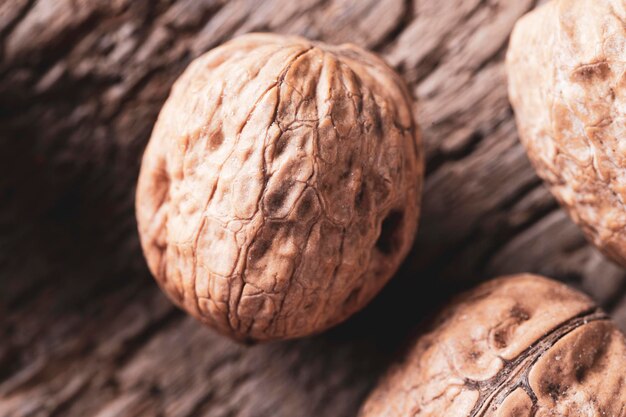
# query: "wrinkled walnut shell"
[521,346]
[567,83]
[280,188]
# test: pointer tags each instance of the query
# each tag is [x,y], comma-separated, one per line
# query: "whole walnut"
[519,346]
[280,188]
[567,83]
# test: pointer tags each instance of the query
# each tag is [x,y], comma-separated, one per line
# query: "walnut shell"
[567,84]
[280,188]
[518,346]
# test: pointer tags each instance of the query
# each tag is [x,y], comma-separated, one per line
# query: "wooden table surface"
[84,330]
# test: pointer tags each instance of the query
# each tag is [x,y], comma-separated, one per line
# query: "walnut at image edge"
[521,346]
[280,188]
[567,84]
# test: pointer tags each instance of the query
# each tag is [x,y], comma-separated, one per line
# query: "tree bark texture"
[85,331]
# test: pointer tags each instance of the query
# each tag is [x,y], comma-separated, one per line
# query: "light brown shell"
[521,346]
[280,188]
[567,83]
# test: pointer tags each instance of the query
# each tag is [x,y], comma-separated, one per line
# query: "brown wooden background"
[84,330]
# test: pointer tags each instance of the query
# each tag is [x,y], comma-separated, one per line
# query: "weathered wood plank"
[83,328]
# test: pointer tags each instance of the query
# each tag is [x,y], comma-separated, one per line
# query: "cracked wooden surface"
[86,332]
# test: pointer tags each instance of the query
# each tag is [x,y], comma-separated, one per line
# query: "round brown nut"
[518,346]
[280,188]
[567,83]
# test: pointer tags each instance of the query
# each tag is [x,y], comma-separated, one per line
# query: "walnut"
[567,83]
[517,346]
[280,188]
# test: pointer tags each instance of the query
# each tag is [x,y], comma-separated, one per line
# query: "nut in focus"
[280,188]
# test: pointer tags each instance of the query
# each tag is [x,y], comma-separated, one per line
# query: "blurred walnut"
[280,189]
[520,346]
[567,83]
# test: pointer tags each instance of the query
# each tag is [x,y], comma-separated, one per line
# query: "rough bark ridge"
[84,329]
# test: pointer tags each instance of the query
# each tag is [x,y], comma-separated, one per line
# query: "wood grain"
[84,330]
